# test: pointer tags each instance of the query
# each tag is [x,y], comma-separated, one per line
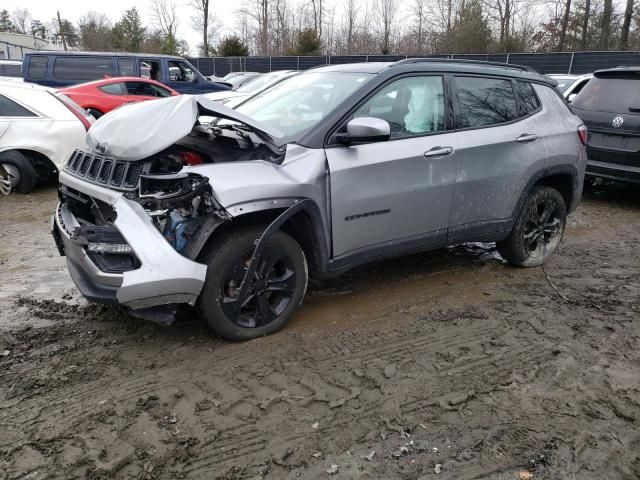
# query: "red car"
[102,96]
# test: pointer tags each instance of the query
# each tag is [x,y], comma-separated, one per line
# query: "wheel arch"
[563,178]
[43,165]
[304,225]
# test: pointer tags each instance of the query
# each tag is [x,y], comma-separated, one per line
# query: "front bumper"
[163,277]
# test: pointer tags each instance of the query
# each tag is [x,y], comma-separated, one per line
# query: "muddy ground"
[449,362]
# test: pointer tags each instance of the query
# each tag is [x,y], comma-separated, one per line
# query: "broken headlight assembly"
[177,204]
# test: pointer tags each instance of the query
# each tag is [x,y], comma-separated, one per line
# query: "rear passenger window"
[38,67]
[411,105]
[9,108]
[82,68]
[529,102]
[114,88]
[125,67]
[485,101]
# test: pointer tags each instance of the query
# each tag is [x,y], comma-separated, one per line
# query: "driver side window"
[180,72]
[412,106]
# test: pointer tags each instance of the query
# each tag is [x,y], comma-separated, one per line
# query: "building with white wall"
[13,46]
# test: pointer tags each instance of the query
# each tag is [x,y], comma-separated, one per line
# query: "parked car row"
[25,159]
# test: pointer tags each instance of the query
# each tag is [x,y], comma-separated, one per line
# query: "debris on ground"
[333,469]
[369,456]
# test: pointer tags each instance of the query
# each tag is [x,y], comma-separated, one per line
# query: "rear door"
[394,194]
[499,150]
[609,105]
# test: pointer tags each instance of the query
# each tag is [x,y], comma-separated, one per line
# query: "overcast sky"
[45,11]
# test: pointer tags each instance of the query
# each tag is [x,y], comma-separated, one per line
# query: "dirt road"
[449,362]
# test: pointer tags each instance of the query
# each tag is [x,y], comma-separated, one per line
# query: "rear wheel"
[538,229]
[16,173]
[275,292]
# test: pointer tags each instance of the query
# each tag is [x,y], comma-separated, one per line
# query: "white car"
[570,85]
[232,98]
[39,130]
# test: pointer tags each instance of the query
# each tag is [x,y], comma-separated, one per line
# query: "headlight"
[117,248]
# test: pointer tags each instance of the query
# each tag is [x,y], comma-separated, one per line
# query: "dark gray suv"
[332,168]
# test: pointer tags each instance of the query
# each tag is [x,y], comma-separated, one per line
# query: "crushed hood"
[139,130]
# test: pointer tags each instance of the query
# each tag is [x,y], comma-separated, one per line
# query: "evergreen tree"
[71,35]
[231,47]
[6,25]
[38,29]
[471,32]
[128,33]
[307,43]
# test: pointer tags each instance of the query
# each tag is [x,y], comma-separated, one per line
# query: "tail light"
[191,158]
[76,109]
[583,134]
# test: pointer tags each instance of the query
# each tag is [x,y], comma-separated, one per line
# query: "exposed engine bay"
[179,203]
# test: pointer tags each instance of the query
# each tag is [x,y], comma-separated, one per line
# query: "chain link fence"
[558,62]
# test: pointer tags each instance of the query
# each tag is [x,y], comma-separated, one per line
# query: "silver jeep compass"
[184,201]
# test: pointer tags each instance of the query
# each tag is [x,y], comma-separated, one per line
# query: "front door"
[396,193]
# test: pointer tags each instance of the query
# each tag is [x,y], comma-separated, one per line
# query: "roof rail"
[464,61]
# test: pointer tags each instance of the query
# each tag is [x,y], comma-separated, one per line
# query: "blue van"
[60,69]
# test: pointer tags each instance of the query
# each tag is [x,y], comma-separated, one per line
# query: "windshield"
[241,79]
[298,103]
[259,83]
[564,83]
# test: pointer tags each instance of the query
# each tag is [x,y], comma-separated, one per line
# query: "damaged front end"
[131,229]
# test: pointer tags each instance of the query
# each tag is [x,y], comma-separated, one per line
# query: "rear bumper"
[163,277]
[614,171]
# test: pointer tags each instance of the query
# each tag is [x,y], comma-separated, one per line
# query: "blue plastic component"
[177,231]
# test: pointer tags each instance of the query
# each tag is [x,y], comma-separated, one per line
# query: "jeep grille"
[101,170]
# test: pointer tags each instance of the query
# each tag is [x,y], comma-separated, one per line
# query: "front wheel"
[538,229]
[276,291]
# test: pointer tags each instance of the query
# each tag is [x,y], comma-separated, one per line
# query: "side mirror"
[365,130]
[571,97]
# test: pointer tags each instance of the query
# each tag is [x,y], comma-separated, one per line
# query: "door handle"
[525,137]
[438,152]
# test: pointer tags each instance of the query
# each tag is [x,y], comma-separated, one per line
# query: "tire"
[96,113]
[538,229]
[28,174]
[227,260]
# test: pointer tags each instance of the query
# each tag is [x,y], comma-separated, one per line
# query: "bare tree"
[563,27]
[165,16]
[318,10]
[585,24]
[626,25]
[419,11]
[351,19]
[605,25]
[258,10]
[385,12]
[206,22]
[21,18]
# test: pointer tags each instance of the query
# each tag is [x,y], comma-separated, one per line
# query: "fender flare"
[566,169]
[275,225]
[291,206]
